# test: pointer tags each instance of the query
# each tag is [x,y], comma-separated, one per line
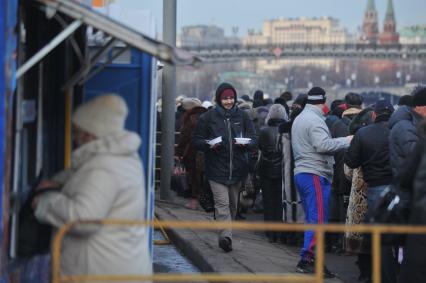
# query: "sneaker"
[225,243]
[308,267]
[305,266]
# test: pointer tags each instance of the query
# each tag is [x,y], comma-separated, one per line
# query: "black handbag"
[179,181]
[392,207]
[206,198]
[33,237]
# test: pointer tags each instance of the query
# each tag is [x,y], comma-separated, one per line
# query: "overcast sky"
[250,14]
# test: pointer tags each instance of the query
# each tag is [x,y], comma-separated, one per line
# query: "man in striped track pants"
[313,150]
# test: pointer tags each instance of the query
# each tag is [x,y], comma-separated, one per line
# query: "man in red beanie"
[227,159]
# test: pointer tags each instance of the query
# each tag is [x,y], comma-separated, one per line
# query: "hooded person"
[258,99]
[105,181]
[230,136]
[270,168]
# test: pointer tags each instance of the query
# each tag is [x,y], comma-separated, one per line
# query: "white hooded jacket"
[105,182]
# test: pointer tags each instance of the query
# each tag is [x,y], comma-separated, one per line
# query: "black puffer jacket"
[403,137]
[228,164]
[413,267]
[341,184]
[370,150]
[270,163]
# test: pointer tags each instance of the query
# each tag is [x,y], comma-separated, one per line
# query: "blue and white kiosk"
[46,70]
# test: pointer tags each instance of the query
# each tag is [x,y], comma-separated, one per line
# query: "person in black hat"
[406,100]
[313,149]
[369,150]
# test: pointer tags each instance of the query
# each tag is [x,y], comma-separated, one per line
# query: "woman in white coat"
[105,181]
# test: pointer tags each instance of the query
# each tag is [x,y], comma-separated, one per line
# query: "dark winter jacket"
[339,128]
[270,163]
[370,150]
[413,267]
[403,137]
[227,164]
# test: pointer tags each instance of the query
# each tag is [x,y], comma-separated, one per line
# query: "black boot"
[225,243]
[364,265]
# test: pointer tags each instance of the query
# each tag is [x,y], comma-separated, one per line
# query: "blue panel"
[8,12]
[2,98]
[134,83]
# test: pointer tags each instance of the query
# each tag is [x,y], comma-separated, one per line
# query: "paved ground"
[252,252]
[167,259]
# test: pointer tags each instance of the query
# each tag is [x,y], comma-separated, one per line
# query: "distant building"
[370,25]
[324,30]
[389,34]
[204,35]
[413,35]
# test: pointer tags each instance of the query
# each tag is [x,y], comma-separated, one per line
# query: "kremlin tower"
[389,34]
[370,27]
[370,30]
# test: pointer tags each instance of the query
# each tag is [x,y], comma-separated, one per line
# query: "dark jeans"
[272,203]
[389,254]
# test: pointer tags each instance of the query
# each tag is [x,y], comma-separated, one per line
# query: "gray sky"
[247,14]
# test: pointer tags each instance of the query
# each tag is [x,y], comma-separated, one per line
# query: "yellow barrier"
[376,231]
[166,240]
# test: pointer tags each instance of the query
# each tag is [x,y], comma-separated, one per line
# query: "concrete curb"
[181,239]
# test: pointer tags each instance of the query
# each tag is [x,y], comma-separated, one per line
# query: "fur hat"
[316,95]
[191,102]
[419,96]
[179,99]
[102,115]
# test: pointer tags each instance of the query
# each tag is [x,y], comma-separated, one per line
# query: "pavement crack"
[243,265]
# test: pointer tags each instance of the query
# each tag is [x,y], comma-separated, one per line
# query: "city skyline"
[230,13]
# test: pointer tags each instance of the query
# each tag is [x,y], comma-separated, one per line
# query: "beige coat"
[105,182]
[357,208]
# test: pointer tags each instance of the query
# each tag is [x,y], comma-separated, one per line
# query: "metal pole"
[168,101]
[49,47]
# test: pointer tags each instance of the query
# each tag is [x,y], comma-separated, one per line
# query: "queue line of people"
[313,164]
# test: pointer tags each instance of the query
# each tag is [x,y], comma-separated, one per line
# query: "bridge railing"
[318,276]
[304,46]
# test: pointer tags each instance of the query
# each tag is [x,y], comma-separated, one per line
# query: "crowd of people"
[311,161]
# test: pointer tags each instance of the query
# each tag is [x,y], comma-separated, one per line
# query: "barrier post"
[319,256]
[376,256]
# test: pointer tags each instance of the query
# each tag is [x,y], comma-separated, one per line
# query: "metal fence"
[375,230]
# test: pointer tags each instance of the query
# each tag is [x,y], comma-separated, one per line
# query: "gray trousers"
[225,203]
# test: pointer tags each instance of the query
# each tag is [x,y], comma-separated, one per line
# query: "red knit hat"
[227,93]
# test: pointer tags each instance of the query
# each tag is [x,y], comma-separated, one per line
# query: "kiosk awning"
[84,15]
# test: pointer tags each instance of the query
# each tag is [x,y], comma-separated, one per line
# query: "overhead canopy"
[121,32]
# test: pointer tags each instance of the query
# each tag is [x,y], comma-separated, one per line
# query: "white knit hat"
[102,115]
[207,104]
